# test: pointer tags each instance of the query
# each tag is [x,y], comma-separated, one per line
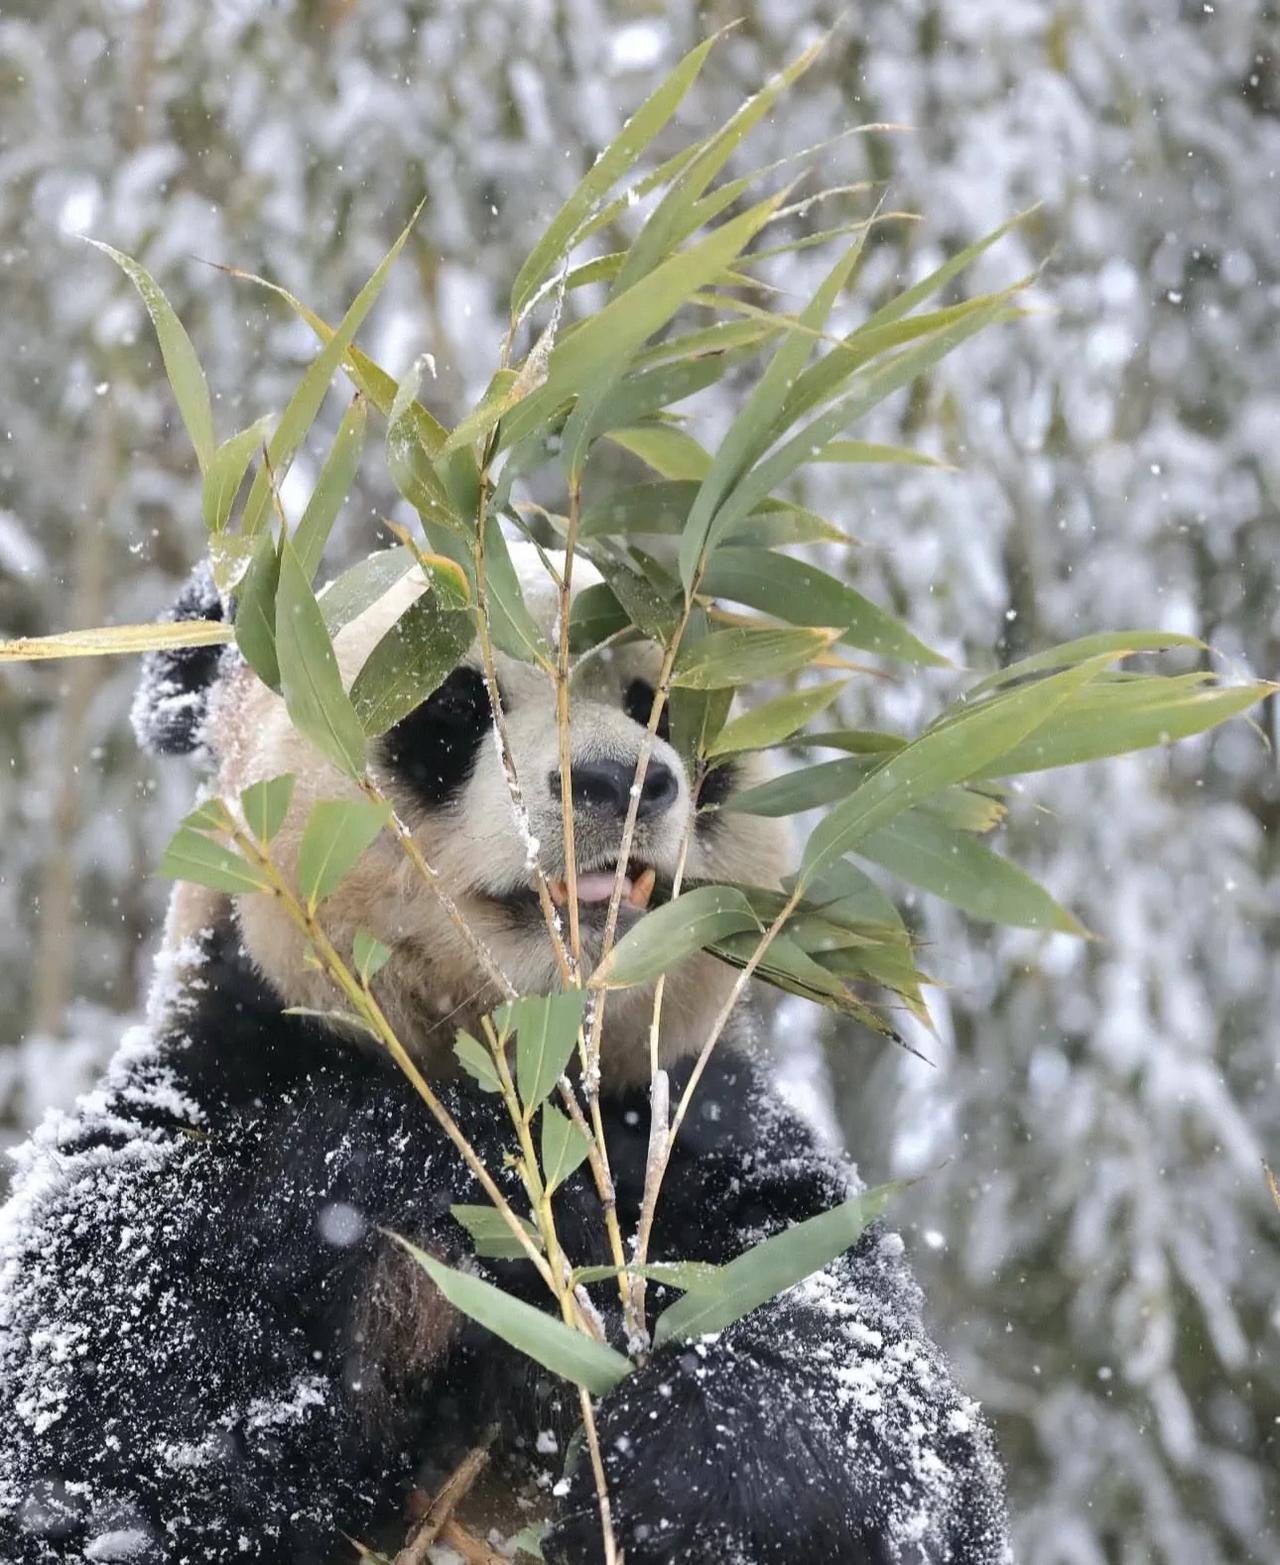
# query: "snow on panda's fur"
[209,1351]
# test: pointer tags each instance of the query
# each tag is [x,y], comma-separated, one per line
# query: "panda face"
[442,766]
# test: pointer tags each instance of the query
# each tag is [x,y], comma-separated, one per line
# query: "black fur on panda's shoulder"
[172,699]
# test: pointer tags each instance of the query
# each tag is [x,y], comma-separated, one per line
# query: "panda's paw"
[172,699]
[710,1458]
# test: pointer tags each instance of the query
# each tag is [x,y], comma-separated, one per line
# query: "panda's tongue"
[597,886]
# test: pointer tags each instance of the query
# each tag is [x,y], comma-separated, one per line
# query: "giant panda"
[210,1351]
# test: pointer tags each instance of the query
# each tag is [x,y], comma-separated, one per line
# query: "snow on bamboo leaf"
[336,835]
[773,1266]
[572,1355]
[664,937]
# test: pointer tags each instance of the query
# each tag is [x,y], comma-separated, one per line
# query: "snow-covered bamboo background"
[1099,1245]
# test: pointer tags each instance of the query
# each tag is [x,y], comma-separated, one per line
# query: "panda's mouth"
[641,888]
[595,886]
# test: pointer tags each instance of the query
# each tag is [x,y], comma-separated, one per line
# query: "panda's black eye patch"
[637,703]
[433,750]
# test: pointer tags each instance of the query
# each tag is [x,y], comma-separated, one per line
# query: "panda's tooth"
[642,888]
[559,890]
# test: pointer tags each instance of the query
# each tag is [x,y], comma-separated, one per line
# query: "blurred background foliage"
[1097,1242]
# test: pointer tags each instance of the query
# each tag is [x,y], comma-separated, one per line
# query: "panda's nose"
[604,787]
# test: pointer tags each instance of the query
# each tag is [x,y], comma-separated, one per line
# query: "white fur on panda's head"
[443,768]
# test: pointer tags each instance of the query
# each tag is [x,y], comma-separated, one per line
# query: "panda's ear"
[173,694]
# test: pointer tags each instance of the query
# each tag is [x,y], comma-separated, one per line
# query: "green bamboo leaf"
[369,955]
[193,856]
[209,815]
[857,741]
[1120,718]
[337,833]
[563,1146]
[669,934]
[318,706]
[513,628]
[265,805]
[640,396]
[594,616]
[644,605]
[366,376]
[478,1063]
[561,234]
[613,333]
[663,508]
[834,370]
[668,450]
[491,1237]
[359,588]
[721,337]
[546,1028]
[957,867]
[805,788]
[305,402]
[965,809]
[801,594]
[670,221]
[775,1265]
[414,658]
[869,390]
[978,739]
[571,1354]
[332,487]
[226,471]
[745,654]
[787,966]
[938,279]
[749,434]
[255,623]
[845,894]
[190,388]
[775,720]
[1068,652]
[114,639]
[410,457]
[501,394]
